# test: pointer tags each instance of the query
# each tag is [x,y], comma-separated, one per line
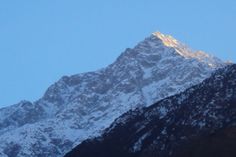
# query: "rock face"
[81,106]
[200,121]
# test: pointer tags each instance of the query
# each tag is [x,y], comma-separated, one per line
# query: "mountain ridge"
[81,106]
[175,125]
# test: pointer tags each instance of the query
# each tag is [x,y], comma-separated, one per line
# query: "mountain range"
[82,106]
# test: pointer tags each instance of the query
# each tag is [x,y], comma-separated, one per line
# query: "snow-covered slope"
[177,126]
[81,106]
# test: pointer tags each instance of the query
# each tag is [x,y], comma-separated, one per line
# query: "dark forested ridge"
[221,143]
[200,122]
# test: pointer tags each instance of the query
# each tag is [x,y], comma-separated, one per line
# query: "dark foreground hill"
[200,122]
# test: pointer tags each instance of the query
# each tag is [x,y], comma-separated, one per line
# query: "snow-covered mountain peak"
[186,52]
[158,47]
[83,105]
[167,40]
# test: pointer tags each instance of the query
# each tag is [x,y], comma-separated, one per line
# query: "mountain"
[81,106]
[199,122]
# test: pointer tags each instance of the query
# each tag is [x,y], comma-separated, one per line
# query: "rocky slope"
[200,121]
[81,106]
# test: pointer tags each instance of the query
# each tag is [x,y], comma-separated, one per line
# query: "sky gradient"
[40,41]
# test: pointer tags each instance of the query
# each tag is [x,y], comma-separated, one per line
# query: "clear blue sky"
[42,40]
